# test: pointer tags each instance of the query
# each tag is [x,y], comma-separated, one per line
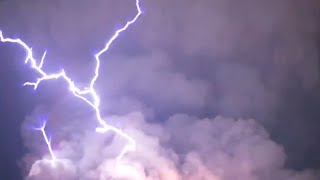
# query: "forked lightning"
[83,94]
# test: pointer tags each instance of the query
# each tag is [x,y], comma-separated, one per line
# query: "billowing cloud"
[184,147]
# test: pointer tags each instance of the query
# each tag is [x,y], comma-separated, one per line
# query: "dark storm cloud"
[239,59]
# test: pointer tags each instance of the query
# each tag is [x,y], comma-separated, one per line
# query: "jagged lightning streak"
[83,94]
[46,139]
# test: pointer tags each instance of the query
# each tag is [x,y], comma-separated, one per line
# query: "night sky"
[225,78]
[16,101]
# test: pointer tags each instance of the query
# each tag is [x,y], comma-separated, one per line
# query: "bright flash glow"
[83,94]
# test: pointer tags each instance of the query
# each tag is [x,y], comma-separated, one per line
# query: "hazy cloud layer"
[248,52]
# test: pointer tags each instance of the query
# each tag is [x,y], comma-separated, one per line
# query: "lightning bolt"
[83,94]
[46,139]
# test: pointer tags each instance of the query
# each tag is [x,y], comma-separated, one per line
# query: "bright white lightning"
[47,140]
[83,94]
